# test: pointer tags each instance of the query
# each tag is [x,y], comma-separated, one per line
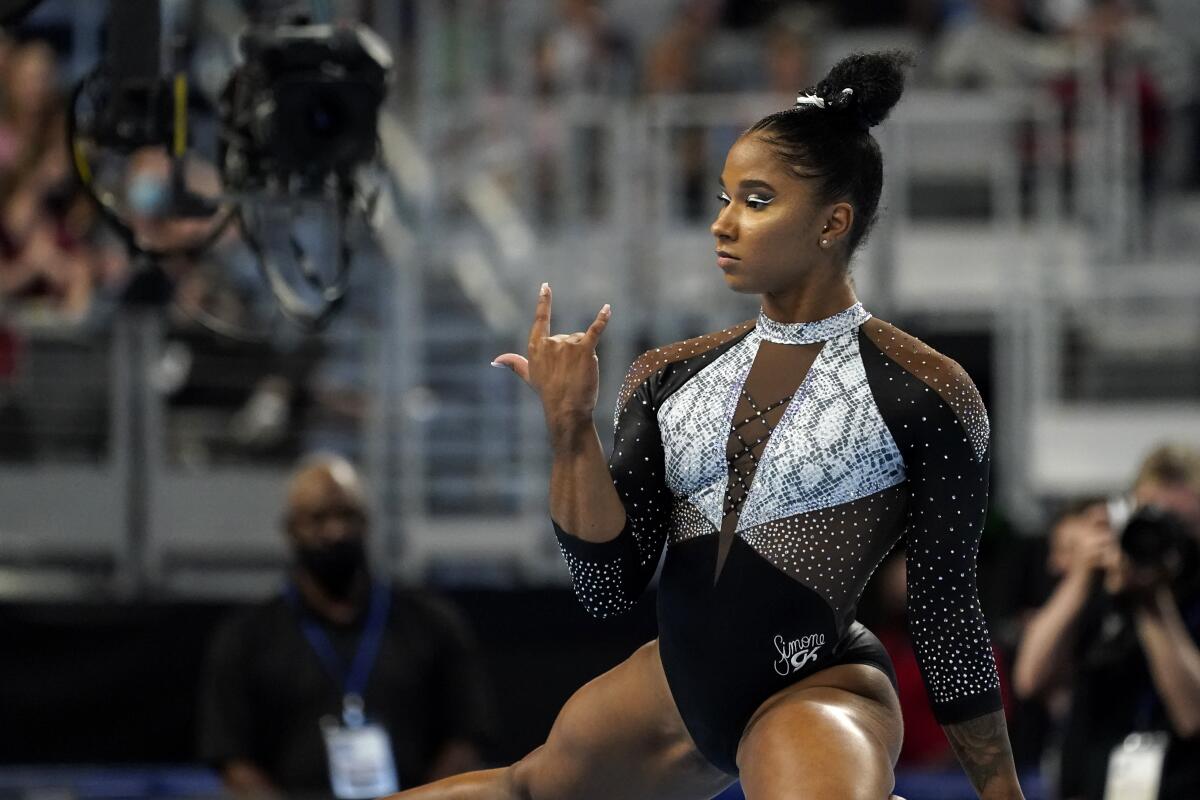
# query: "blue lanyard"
[353,683]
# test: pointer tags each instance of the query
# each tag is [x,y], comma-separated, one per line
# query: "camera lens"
[303,104]
[1156,538]
[324,116]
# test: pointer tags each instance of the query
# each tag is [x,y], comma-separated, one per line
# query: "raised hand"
[563,369]
[1089,540]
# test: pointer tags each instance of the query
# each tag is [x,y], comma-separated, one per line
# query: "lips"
[725,260]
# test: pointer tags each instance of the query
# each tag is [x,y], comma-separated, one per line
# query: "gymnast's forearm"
[583,500]
[983,749]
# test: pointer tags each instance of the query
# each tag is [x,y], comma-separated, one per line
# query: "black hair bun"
[876,81]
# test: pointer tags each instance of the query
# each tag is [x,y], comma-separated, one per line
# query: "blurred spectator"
[173,209]
[583,52]
[992,45]
[31,113]
[230,370]
[1000,45]
[675,62]
[792,38]
[1144,65]
[53,252]
[157,200]
[340,657]
[1039,567]
[681,61]
[1128,34]
[1124,639]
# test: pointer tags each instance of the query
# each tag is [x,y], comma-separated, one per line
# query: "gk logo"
[795,654]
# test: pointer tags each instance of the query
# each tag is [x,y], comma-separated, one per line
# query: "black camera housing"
[1155,538]
[303,106]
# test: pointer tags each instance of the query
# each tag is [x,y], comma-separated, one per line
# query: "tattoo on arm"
[983,749]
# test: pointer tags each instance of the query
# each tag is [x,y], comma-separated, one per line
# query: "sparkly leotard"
[779,464]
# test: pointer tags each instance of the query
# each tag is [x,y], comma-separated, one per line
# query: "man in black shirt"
[1126,639]
[340,669]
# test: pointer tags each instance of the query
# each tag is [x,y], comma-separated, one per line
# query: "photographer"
[1122,628]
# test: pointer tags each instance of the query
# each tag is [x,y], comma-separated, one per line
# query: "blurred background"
[1040,224]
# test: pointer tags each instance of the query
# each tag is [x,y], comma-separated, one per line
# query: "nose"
[334,530]
[337,524]
[724,227]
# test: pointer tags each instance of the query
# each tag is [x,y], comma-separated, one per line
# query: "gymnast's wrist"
[570,433]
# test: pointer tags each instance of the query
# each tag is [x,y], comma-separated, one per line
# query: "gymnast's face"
[770,223]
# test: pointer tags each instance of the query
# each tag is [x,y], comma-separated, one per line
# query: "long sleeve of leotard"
[608,577]
[948,473]
[939,422]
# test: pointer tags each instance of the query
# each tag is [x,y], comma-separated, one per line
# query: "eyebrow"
[750,184]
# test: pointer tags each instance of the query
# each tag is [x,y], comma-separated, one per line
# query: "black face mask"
[334,566]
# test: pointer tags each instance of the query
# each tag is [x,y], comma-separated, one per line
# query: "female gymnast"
[778,461]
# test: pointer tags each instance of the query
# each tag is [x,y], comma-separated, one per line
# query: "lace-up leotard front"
[779,464]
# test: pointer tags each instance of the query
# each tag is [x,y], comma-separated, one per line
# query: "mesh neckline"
[811,332]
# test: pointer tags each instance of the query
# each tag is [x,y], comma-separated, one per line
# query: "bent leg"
[618,736]
[836,733]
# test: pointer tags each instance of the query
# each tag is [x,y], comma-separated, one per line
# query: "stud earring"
[824,243]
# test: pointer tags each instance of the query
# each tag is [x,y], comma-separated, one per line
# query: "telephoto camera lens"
[1155,538]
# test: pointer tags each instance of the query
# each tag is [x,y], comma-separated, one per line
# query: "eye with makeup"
[756,202]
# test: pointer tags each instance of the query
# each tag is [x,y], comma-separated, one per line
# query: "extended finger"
[517,363]
[598,325]
[541,317]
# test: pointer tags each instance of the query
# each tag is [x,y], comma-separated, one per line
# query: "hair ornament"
[810,99]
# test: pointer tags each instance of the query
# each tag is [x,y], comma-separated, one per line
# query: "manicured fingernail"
[545,289]
[498,364]
[607,310]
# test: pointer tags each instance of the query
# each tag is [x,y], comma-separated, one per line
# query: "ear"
[839,219]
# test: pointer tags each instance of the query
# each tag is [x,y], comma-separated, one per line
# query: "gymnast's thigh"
[836,733]
[620,736]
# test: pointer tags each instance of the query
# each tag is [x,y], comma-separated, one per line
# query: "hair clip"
[810,99]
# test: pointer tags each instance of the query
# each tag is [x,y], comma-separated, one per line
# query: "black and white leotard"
[779,463]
